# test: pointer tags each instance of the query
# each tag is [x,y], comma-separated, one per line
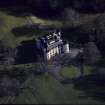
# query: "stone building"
[51,45]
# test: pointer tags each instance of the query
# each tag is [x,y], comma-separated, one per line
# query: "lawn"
[46,89]
[14,29]
[73,71]
[9,22]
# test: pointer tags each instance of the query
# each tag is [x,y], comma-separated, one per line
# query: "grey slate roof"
[54,45]
[48,42]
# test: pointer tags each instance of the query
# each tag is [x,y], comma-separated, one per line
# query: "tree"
[70,16]
[91,53]
[99,24]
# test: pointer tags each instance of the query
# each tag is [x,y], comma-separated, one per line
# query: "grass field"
[15,29]
[72,71]
[9,22]
[45,89]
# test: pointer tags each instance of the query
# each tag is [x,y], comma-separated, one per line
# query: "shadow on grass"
[13,82]
[92,85]
[79,34]
[26,52]
[45,8]
[23,31]
[23,10]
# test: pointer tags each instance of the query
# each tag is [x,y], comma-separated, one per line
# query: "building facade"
[51,45]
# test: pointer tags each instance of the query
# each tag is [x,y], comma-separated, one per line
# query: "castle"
[51,45]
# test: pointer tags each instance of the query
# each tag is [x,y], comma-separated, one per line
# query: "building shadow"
[26,52]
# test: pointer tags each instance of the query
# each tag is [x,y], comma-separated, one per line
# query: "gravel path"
[74,52]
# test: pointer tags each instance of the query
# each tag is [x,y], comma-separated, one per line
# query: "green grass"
[44,89]
[54,23]
[88,70]
[47,90]
[7,24]
[101,62]
[72,71]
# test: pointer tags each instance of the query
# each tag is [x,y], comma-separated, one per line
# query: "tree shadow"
[22,8]
[13,82]
[23,31]
[92,85]
[16,8]
[101,46]
[26,52]
[32,30]
[76,34]
[46,10]
[81,34]
[89,7]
